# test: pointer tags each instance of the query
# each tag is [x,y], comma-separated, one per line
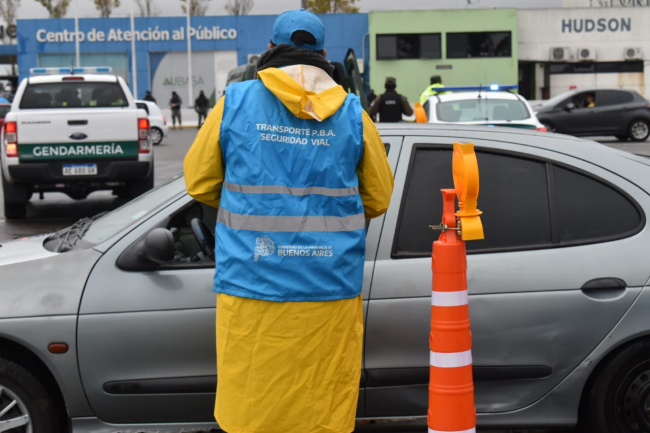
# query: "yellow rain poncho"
[289,367]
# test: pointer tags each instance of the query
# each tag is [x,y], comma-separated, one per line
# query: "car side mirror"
[157,246]
[570,106]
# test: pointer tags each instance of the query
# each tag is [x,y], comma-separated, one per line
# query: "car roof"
[57,78]
[489,94]
[614,160]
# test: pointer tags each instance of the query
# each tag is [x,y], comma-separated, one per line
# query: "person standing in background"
[390,105]
[201,105]
[149,97]
[175,104]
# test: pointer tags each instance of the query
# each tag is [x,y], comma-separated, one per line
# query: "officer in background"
[390,105]
[435,82]
[149,97]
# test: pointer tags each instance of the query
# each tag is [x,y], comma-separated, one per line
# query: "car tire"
[137,188]
[15,199]
[156,136]
[34,402]
[639,130]
[549,126]
[618,399]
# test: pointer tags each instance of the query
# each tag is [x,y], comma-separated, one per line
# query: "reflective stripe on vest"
[290,225]
[279,189]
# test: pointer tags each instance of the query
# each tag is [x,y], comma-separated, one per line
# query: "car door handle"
[77,122]
[607,283]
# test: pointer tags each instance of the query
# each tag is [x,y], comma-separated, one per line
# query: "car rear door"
[558,268]
[613,111]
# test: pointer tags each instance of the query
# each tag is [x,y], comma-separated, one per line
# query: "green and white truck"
[74,130]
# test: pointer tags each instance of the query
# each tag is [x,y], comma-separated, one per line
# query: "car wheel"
[26,404]
[156,136]
[619,400]
[549,126]
[639,130]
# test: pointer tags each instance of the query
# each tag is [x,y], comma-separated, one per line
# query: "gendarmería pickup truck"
[74,130]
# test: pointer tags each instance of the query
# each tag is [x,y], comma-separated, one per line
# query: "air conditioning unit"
[586,54]
[633,53]
[253,58]
[560,54]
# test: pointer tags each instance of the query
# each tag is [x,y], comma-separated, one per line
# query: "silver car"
[109,325]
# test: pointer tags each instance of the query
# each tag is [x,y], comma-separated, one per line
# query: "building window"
[479,44]
[408,46]
[595,67]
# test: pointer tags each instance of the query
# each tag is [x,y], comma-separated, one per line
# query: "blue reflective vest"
[291,225]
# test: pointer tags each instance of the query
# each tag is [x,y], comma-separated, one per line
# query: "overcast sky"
[33,9]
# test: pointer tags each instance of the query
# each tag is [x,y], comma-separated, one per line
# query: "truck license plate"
[79,169]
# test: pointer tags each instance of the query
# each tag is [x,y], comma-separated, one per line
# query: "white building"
[605,45]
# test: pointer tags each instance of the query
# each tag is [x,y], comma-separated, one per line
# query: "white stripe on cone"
[450,360]
[449,299]
[472,430]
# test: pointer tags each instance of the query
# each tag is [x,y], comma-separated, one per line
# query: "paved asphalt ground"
[56,210]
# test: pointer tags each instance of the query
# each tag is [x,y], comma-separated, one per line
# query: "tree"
[105,7]
[8,9]
[56,8]
[197,7]
[147,8]
[331,6]
[239,7]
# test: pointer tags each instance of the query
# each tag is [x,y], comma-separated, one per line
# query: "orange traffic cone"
[451,387]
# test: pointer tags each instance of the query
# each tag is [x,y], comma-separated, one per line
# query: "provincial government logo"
[264,247]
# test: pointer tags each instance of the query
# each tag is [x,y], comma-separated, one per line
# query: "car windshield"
[484,109]
[73,94]
[133,211]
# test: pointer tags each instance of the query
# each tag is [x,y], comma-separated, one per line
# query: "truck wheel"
[26,404]
[619,400]
[15,199]
[14,211]
[137,188]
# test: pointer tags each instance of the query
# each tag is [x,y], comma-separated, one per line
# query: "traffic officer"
[390,105]
[435,82]
[296,167]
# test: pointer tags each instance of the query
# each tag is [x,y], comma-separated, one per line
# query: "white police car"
[492,105]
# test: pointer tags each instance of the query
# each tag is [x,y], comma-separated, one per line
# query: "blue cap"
[291,21]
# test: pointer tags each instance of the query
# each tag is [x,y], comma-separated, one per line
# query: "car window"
[142,105]
[484,109]
[583,100]
[186,248]
[613,97]
[588,209]
[513,198]
[73,94]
